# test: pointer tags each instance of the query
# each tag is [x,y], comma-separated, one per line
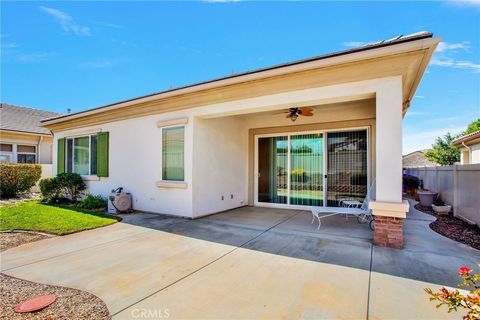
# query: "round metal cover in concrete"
[35,303]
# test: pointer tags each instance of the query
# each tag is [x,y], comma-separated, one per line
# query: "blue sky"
[78,55]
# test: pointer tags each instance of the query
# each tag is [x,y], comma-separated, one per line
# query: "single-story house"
[469,146]
[23,139]
[416,159]
[301,134]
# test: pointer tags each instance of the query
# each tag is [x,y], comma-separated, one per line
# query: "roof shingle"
[24,119]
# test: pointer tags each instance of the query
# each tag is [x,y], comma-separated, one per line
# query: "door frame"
[288,134]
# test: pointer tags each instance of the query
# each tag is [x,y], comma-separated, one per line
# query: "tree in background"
[472,127]
[443,152]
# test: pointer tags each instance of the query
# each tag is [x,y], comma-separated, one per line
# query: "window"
[6,152]
[82,155]
[173,153]
[5,158]
[26,154]
[6,147]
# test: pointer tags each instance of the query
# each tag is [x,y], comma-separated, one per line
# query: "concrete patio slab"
[57,246]
[248,284]
[343,252]
[249,263]
[394,297]
[123,272]
[336,225]
[253,216]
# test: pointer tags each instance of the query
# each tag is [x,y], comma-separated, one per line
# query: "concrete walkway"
[248,263]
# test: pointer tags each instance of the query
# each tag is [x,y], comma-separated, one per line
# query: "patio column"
[388,208]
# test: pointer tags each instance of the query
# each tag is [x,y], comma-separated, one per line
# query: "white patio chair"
[362,212]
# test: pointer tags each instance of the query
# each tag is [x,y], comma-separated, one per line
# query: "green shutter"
[61,156]
[102,154]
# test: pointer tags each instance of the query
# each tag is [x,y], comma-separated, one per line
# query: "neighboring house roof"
[416,159]
[24,119]
[467,139]
[245,76]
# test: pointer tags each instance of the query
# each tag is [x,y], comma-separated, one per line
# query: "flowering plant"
[455,300]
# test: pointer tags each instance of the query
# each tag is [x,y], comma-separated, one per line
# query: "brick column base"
[388,232]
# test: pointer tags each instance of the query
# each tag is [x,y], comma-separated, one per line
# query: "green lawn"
[54,219]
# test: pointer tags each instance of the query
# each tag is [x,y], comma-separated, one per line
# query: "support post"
[388,208]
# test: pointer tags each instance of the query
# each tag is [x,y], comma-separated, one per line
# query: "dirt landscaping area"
[453,228]
[70,303]
[13,239]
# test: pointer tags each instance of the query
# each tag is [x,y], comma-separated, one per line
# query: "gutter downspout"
[38,148]
[469,150]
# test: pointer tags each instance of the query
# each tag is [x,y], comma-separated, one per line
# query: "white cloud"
[445,46]
[10,45]
[457,64]
[33,57]
[352,44]
[419,97]
[98,64]
[414,113]
[67,23]
[465,3]
[423,140]
[109,25]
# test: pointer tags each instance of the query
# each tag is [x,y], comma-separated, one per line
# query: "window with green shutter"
[102,154]
[61,156]
[85,155]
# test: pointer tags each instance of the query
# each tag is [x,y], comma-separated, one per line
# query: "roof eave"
[26,132]
[425,42]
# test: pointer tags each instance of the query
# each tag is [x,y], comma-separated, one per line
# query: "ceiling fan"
[293,113]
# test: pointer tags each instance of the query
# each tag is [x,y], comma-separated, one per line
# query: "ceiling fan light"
[294,117]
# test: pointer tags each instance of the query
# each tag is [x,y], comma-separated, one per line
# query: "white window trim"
[14,153]
[89,176]
[173,184]
[325,164]
[10,154]
[26,153]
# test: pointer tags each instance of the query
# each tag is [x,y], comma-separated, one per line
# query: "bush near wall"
[18,178]
[65,187]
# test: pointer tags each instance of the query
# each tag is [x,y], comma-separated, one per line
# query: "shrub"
[92,202]
[72,184]
[64,187]
[50,189]
[410,181]
[18,178]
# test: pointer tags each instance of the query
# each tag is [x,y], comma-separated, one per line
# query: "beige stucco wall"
[219,143]
[220,149]
[43,144]
[327,117]
[475,153]
[470,155]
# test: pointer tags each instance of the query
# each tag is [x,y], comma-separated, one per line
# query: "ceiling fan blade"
[288,115]
[306,109]
[306,114]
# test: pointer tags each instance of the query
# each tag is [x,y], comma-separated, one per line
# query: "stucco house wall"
[367,88]
[135,163]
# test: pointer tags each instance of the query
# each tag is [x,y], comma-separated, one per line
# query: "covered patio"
[249,262]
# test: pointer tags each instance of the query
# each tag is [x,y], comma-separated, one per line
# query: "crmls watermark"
[142,313]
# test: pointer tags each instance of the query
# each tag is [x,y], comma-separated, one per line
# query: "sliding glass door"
[347,166]
[305,169]
[272,169]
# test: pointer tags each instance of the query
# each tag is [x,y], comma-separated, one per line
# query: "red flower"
[464,271]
